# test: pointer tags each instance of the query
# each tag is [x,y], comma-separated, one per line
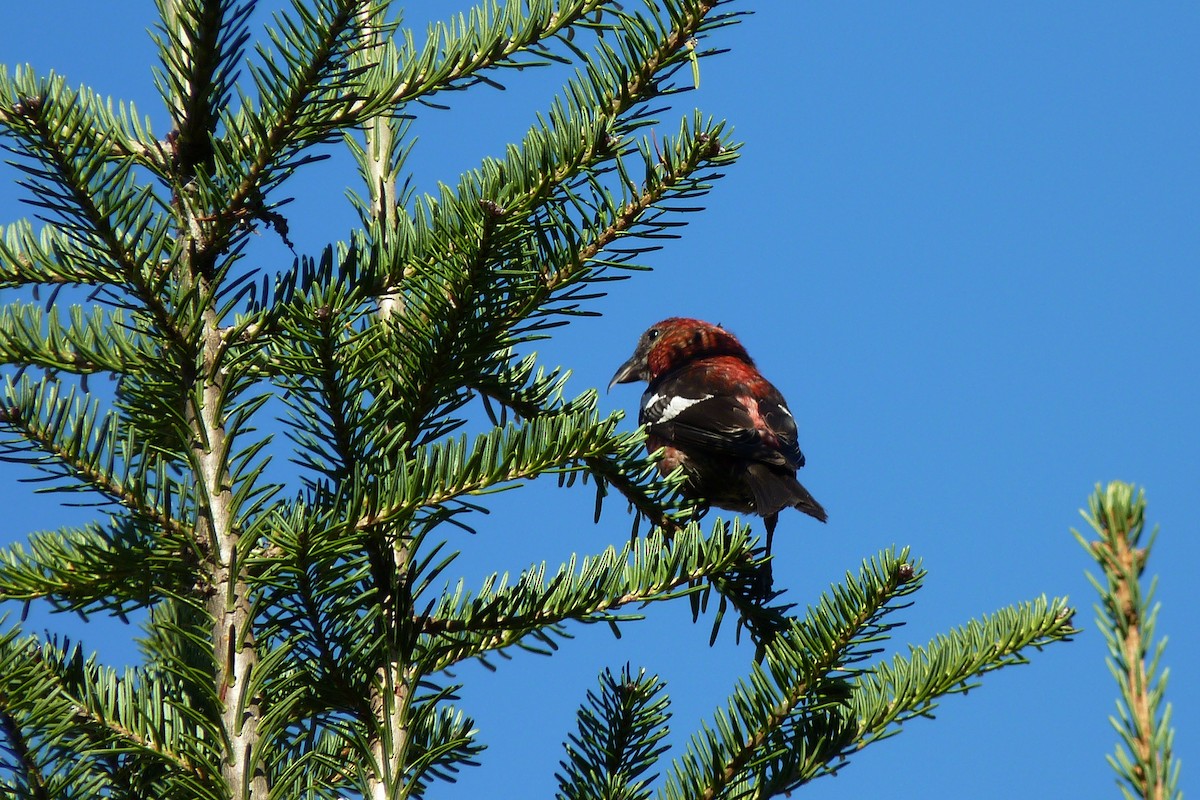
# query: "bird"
[710,411]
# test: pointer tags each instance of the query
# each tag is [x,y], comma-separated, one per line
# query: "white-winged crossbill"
[712,412]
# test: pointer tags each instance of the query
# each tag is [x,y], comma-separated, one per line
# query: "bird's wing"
[727,424]
[782,424]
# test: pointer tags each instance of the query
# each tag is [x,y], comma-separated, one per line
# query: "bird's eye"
[652,334]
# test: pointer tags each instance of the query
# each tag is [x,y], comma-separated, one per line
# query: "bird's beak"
[635,369]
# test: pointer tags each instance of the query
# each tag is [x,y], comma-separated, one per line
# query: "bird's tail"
[776,490]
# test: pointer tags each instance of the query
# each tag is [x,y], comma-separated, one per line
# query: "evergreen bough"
[299,636]
[1144,760]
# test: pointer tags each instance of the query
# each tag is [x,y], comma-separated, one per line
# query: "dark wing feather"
[718,425]
[680,410]
[781,422]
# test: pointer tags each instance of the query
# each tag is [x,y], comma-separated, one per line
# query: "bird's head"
[668,345]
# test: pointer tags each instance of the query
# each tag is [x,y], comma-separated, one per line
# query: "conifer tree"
[299,638]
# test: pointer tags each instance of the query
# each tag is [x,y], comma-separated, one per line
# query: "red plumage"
[714,414]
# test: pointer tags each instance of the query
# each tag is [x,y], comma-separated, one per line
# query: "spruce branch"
[118,132]
[318,368]
[1144,760]
[89,450]
[99,712]
[444,741]
[89,569]
[280,313]
[47,258]
[620,730]
[200,46]
[652,569]
[97,201]
[443,472]
[576,247]
[789,717]
[908,687]
[101,341]
[302,100]
[318,638]
[106,226]
[528,392]
[457,52]
[27,775]
[815,700]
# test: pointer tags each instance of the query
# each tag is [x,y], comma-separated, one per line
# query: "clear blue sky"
[963,240]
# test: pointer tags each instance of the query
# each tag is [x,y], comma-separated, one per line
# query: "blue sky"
[962,239]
